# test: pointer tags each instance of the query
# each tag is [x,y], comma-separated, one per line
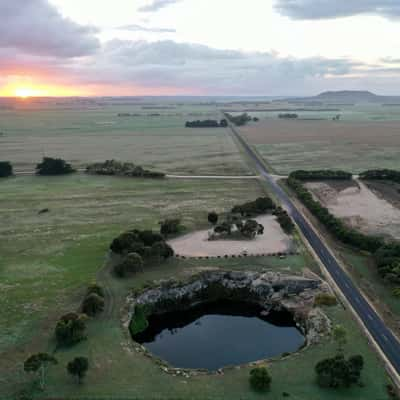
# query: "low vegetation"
[137,247]
[238,120]
[171,226]
[284,220]
[6,169]
[288,116]
[54,166]
[259,206]
[319,175]
[381,174]
[260,379]
[78,367]
[118,168]
[71,329]
[207,123]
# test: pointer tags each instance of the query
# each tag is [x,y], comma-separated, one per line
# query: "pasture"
[350,145]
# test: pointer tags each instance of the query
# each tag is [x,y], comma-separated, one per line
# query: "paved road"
[375,325]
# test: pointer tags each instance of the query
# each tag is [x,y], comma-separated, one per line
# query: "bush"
[260,379]
[337,372]
[92,304]
[6,169]
[139,321]
[132,263]
[70,329]
[321,175]
[117,168]
[259,206]
[212,217]
[381,174]
[53,166]
[238,120]
[284,220]
[208,123]
[78,367]
[95,288]
[325,299]
[170,226]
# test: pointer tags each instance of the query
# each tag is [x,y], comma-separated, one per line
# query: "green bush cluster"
[260,379]
[70,329]
[6,169]
[139,321]
[170,226]
[207,123]
[325,299]
[284,220]
[93,303]
[381,174]
[238,120]
[337,372]
[113,167]
[324,174]
[259,206]
[53,166]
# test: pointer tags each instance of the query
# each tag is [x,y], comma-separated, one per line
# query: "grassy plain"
[87,135]
[350,145]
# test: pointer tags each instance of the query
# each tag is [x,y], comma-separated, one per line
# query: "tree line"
[323,174]
[207,123]
[238,120]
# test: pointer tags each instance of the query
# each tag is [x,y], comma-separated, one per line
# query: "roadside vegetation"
[207,123]
[118,168]
[238,120]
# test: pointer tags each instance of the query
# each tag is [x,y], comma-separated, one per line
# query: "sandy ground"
[196,244]
[359,207]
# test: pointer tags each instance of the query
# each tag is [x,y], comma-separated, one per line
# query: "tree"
[70,329]
[38,363]
[340,337]
[260,379]
[5,169]
[338,372]
[53,166]
[133,263]
[93,304]
[170,226]
[78,367]
[212,217]
[95,288]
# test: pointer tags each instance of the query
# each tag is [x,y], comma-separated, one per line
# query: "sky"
[198,47]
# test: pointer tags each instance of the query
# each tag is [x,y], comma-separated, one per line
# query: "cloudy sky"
[198,47]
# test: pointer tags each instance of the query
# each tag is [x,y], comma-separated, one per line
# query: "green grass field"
[88,135]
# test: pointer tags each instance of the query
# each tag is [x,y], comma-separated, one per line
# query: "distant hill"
[347,97]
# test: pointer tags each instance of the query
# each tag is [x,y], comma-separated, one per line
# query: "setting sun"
[25,92]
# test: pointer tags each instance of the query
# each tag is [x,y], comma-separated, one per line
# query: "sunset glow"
[25,92]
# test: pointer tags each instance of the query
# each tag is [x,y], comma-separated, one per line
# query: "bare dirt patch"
[196,244]
[359,207]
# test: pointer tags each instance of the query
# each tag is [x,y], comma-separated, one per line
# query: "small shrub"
[78,367]
[70,329]
[260,379]
[93,304]
[133,263]
[325,299]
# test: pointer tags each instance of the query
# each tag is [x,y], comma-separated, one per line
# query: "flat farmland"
[153,138]
[350,145]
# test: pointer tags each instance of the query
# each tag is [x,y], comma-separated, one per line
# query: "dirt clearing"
[196,244]
[359,207]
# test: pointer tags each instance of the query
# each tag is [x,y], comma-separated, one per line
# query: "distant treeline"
[207,123]
[54,166]
[238,120]
[288,116]
[381,174]
[386,255]
[322,174]
[113,167]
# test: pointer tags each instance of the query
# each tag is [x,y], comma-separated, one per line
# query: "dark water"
[214,335]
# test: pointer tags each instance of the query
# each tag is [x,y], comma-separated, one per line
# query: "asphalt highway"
[383,336]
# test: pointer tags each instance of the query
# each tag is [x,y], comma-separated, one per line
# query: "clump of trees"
[381,174]
[207,123]
[334,225]
[38,364]
[339,372]
[118,168]
[6,169]
[324,174]
[387,259]
[235,226]
[93,303]
[170,226]
[288,116]
[54,166]
[137,247]
[259,206]
[238,120]
[260,379]
[70,329]
[78,367]
[284,220]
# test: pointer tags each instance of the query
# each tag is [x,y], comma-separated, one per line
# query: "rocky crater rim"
[269,290]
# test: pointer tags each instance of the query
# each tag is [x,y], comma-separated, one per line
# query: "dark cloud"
[325,9]
[156,5]
[189,66]
[141,28]
[36,27]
